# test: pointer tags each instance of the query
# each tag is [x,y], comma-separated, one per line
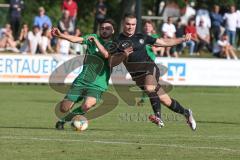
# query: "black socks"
[155,102]
[176,107]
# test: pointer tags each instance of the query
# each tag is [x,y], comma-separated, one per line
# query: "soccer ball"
[79,123]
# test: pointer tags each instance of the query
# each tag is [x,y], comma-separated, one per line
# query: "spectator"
[72,7]
[149,29]
[34,40]
[191,28]
[238,30]
[203,14]
[78,48]
[100,13]
[231,24]
[42,20]
[169,31]
[180,32]
[23,38]
[203,34]
[16,7]
[45,43]
[187,13]
[224,49]
[7,41]
[63,46]
[66,23]
[217,21]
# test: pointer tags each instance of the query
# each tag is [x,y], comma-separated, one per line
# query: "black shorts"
[142,78]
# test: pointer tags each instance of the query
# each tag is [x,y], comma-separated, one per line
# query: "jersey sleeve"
[150,40]
[85,38]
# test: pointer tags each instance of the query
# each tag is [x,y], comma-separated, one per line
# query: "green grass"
[27,131]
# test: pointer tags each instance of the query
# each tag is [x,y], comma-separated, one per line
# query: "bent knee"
[66,105]
[165,99]
[150,88]
[90,102]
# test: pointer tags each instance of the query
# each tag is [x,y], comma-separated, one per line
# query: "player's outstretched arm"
[56,32]
[101,48]
[172,42]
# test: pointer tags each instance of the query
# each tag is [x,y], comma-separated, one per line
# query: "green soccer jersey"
[96,71]
[150,52]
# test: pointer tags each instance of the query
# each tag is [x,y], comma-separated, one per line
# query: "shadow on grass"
[53,128]
[14,127]
[219,122]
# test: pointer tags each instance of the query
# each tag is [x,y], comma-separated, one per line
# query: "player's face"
[129,26]
[106,30]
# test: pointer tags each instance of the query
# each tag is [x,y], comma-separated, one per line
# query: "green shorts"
[78,93]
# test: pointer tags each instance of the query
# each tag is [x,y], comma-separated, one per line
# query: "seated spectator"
[180,32]
[63,46]
[7,40]
[66,23]
[22,40]
[149,29]
[203,34]
[78,48]
[224,49]
[34,41]
[42,20]
[191,28]
[46,41]
[169,31]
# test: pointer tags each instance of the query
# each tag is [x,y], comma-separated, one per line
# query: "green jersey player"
[93,80]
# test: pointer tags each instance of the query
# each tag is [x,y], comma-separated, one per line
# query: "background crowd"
[215,31]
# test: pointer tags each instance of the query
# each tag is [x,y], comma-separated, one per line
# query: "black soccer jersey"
[138,63]
[139,42]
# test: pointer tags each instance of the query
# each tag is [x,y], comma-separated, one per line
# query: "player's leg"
[175,106]
[91,97]
[64,107]
[74,95]
[152,87]
[149,87]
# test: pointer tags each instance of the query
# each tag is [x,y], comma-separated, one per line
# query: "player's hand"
[91,38]
[126,46]
[128,51]
[55,32]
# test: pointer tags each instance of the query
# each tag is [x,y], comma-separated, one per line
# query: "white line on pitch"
[118,142]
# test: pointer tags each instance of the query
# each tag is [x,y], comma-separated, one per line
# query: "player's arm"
[101,48]
[116,59]
[55,32]
[171,42]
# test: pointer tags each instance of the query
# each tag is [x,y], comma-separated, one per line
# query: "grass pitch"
[27,131]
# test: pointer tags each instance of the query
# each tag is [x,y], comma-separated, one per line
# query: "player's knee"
[150,88]
[65,106]
[165,99]
[89,104]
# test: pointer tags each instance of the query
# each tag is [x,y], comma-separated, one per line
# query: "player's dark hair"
[110,21]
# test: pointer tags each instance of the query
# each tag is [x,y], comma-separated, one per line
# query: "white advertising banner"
[181,71]
[34,68]
[201,72]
